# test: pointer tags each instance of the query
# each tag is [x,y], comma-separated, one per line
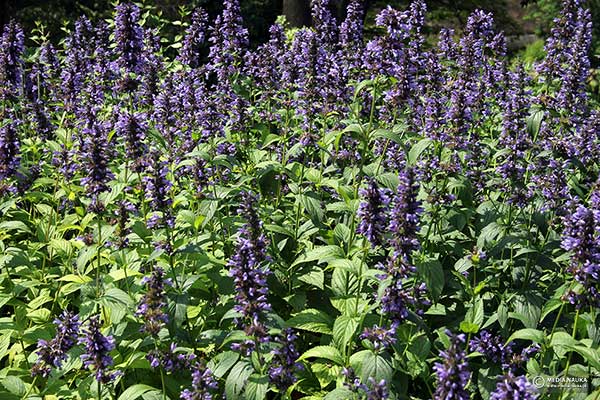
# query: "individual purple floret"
[511,387]
[453,372]
[152,305]
[372,213]
[169,360]
[53,353]
[250,276]
[9,150]
[194,40]
[284,365]
[97,351]
[203,384]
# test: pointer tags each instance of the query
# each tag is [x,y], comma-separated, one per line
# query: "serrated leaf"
[222,363]
[344,329]
[237,379]
[368,364]
[257,387]
[135,391]
[321,253]
[344,283]
[340,393]
[312,320]
[14,385]
[314,277]
[417,149]
[534,335]
[432,273]
[327,352]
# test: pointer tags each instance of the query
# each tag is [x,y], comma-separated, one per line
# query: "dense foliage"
[319,218]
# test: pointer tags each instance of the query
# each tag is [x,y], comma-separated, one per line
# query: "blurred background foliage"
[526,22]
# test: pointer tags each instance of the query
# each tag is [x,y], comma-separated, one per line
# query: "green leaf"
[18,226]
[368,364]
[312,320]
[534,335]
[550,306]
[475,314]
[314,277]
[432,273]
[327,352]
[387,134]
[562,339]
[469,327]
[222,363]
[417,149]
[237,379]
[344,329]
[325,372]
[122,274]
[135,391]
[14,385]
[344,283]
[75,278]
[340,393]
[321,253]
[4,344]
[534,122]
[257,387]
[312,205]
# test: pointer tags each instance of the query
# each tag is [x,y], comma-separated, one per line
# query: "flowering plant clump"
[321,216]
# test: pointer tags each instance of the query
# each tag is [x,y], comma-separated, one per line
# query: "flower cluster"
[453,373]
[170,360]
[152,304]
[203,384]
[53,353]
[582,238]
[249,274]
[284,365]
[97,351]
[373,213]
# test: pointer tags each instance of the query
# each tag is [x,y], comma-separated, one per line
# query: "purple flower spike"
[372,213]
[250,277]
[281,372]
[9,150]
[129,38]
[97,349]
[203,384]
[512,387]
[453,372]
[151,307]
[53,353]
